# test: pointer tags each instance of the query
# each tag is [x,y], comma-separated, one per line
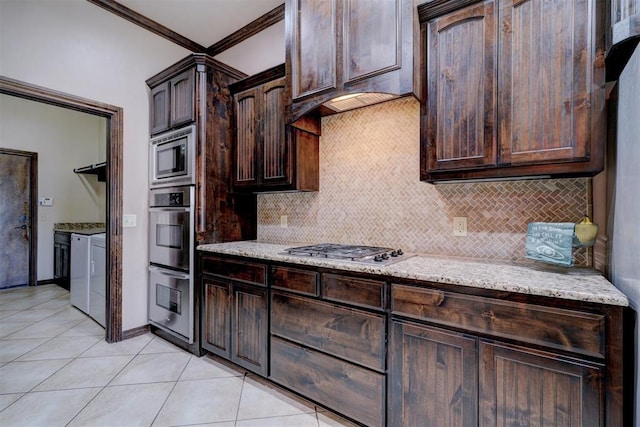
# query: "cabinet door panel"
[350,334]
[433,377]
[371,37]
[519,387]
[160,108]
[250,326]
[545,80]
[217,317]
[460,77]
[182,98]
[275,147]
[314,41]
[348,389]
[246,120]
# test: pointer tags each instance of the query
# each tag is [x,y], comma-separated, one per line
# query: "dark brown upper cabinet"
[346,47]
[515,88]
[173,102]
[268,154]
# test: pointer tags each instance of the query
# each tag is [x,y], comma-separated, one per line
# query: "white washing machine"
[80,271]
[97,281]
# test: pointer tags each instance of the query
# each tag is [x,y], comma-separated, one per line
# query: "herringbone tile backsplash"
[370,193]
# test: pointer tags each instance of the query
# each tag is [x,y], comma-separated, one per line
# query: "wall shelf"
[99,169]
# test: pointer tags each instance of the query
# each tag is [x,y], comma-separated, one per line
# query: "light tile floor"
[57,370]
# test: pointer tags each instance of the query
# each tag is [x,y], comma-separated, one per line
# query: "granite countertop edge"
[493,275]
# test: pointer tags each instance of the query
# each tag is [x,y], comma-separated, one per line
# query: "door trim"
[114,116]
[33,210]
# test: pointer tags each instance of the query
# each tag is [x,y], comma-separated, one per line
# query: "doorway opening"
[114,117]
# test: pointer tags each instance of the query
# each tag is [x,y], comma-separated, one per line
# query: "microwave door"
[171,159]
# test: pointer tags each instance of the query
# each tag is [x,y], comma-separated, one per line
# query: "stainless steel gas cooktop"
[356,253]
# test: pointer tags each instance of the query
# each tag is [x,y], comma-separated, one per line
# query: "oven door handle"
[167,209]
[175,274]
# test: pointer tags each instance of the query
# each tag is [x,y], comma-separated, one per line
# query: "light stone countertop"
[533,279]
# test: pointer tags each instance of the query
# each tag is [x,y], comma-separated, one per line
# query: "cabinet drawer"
[237,270]
[62,237]
[295,280]
[351,290]
[343,332]
[351,390]
[547,326]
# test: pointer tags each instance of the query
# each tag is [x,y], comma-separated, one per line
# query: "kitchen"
[361,204]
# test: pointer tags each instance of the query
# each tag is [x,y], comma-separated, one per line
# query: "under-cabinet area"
[412,343]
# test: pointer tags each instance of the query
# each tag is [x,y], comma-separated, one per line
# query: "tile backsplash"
[370,193]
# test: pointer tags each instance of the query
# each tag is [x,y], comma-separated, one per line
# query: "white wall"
[64,140]
[624,215]
[76,47]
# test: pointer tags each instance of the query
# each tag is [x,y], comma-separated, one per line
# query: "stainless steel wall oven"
[171,246]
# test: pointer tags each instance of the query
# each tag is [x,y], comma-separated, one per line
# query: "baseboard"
[130,333]
[47,282]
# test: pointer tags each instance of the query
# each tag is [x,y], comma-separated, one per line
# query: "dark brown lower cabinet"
[62,258]
[432,377]
[416,353]
[522,387]
[236,323]
[344,387]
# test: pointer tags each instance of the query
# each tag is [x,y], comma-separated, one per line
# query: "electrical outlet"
[460,226]
[283,221]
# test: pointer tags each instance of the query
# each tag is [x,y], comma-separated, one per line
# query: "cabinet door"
[371,39]
[250,328]
[182,98]
[520,387]
[314,38]
[160,108]
[217,317]
[461,106]
[246,118]
[274,146]
[432,377]
[57,261]
[546,80]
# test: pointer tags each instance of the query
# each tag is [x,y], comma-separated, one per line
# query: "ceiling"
[209,21]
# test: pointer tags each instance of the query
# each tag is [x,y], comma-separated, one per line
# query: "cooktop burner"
[366,254]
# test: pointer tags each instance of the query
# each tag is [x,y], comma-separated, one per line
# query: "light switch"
[129,220]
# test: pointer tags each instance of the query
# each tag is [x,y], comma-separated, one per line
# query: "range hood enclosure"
[346,55]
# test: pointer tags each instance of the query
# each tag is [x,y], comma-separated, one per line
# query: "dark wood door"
[217,317]
[250,328]
[461,106]
[274,145]
[521,387]
[182,98]
[314,46]
[247,108]
[160,108]
[371,41]
[545,80]
[432,377]
[18,189]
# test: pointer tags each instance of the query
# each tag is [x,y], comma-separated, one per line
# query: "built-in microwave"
[172,158]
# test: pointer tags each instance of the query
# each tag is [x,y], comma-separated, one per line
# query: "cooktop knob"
[399,252]
[377,258]
[394,253]
[385,256]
